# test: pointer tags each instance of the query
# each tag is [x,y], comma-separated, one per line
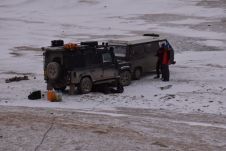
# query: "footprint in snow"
[166,87]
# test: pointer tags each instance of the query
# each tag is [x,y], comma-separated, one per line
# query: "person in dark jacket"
[159,60]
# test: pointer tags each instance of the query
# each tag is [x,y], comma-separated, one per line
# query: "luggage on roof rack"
[70,46]
[90,43]
[56,43]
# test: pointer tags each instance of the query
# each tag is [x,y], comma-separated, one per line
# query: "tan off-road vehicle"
[139,52]
[81,66]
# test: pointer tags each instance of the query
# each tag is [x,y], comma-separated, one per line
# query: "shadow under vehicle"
[139,52]
[81,66]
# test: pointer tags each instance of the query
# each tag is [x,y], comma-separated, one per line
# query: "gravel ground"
[27,129]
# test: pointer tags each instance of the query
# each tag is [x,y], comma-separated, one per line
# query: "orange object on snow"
[51,96]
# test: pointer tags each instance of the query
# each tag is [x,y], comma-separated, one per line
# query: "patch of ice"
[189,21]
[188,32]
[201,124]
[104,113]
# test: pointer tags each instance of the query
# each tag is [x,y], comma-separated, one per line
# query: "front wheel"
[125,78]
[85,85]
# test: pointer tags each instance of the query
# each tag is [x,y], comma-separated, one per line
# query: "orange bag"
[70,46]
[51,96]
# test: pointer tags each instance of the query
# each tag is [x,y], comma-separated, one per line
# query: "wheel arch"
[57,59]
[86,76]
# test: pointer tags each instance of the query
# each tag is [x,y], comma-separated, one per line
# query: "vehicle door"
[137,56]
[109,66]
[150,53]
[94,66]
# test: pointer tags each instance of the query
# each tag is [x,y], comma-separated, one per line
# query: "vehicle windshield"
[120,51]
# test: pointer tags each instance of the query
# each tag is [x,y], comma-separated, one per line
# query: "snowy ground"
[196,30]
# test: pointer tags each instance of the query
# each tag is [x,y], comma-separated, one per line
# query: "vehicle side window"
[152,48]
[92,59]
[137,51]
[72,60]
[106,57]
[119,50]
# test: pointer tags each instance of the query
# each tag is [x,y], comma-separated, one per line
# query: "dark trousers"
[158,67]
[165,72]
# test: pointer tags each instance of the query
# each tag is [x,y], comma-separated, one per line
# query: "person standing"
[159,54]
[165,64]
[171,50]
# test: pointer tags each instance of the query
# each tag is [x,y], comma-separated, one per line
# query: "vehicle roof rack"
[151,34]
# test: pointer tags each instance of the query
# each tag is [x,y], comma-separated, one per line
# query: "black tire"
[120,88]
[53,70]
[137,74]
[125,77]
[85,85]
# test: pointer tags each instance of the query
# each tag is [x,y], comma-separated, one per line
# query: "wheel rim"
[86,85]
[52,71]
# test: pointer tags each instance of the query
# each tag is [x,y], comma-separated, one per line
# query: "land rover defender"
[79,65]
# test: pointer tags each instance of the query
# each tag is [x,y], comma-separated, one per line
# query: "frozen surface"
[198,82]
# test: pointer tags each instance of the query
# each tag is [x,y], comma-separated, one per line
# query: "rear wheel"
[85,85]
[125,78]
[137,74]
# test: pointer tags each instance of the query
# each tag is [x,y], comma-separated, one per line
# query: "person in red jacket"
[165,64]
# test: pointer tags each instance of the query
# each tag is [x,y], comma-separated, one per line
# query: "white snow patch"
[213,43]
